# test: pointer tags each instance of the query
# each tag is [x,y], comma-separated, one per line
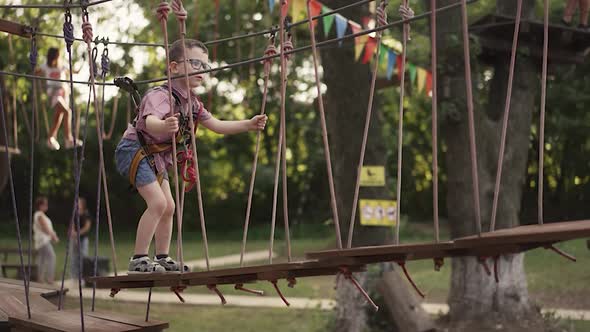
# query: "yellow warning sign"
[373,176]
[376,212]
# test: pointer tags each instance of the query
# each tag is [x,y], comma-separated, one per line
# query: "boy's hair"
[175,51]
[52,54]
[40,200]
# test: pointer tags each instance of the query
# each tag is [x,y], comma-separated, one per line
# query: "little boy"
[153,126]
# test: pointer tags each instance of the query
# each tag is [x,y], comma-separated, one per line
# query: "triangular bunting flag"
[421,79]
[341,24]
[429,84]
[412,70]
[382,53]
[359,46]
[284,7]
[315,10]
[391,58]
[328,21]
[370,47]
[271,5]
[359,42]
[298,10]
[366,20]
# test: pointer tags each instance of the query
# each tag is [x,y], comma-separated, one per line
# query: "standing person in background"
[85,227]
[44,236]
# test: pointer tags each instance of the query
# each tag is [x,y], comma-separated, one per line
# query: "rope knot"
[407,13]
[87,33]
[288,46]
[162,11]
[68,30]
[179,10]
[181,15]
[382,14]
[271,50]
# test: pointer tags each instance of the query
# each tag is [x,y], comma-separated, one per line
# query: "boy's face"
[197,60]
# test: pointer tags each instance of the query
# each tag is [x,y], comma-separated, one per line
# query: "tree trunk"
[345,103]
[474,296]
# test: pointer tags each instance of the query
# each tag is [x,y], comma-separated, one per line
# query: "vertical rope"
[270,50]
[68,30]
[433,68]
[163,11]
[381,21]
[210,95]
[542,117]
[43,109]
[181,16]
[324,129]
[469,95]
[282,137]
[14,115]
[105,62]
[287,46]
[14,207]
[406,13]
[275,192]
[506,115]
[27,276]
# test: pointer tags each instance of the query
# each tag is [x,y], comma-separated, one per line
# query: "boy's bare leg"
[156,205]
[165,224]
[569,10]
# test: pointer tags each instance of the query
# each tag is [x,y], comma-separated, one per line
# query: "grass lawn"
[553,282]
[221,319]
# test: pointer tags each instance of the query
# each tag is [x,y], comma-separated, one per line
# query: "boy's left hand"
[258,122]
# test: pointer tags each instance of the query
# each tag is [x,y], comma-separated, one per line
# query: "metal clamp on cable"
[126,84]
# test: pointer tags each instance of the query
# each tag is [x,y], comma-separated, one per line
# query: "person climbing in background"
[58,95]
[152,130]
[85,227]
[44,236]
[568,13]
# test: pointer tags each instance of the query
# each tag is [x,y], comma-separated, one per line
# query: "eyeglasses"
[198,64]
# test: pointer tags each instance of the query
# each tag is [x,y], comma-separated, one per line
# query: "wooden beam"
[14,28]
[10,150]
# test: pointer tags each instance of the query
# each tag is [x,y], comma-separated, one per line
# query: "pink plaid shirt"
[157,103]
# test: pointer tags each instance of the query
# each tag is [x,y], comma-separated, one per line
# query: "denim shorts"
[126,150]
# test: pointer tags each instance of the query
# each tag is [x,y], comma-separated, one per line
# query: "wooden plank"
[14,28]
[394,252]
[546,233]
[566,44]
[224,276]
[35,287]
[15,303]
[10,150]
[155,325]
[68,321]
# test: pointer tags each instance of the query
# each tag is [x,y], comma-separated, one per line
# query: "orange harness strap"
[141,154]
